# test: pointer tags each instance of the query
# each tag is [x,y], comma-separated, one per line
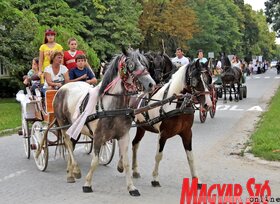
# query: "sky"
[257,5]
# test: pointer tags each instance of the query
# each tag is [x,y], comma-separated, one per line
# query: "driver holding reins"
[180,59]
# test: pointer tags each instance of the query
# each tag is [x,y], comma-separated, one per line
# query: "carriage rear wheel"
[25,132]
[202,114]
[244,91]
[107,152]
[37,134]
[220,92]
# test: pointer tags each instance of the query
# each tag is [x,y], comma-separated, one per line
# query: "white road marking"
[237,108]
[234,108]
[255,108]
[223,107]
[277,77]
[267,77]
[257,77]
[12,175]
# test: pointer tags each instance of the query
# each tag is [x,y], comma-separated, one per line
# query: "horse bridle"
[195,92]
[126,72]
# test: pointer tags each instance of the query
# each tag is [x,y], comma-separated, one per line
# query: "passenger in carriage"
[235,62]
[180,59]
[55,74]
[81,72]
[200,57]
[46,50]
[71,54]
[32,77]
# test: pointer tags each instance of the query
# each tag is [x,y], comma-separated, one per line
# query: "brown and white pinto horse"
[119,83]
[192,79]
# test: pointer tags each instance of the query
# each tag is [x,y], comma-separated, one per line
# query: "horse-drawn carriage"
[219,87]
[112,110]
[38,122]
[231,80]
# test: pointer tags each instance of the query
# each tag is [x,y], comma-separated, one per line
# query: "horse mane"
[227,61]
[110,74]
[178,79]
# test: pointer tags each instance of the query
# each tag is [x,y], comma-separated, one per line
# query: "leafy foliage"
[174,22]
[272,12]
[102,27]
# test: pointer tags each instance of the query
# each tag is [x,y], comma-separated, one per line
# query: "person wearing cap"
[47,49]
[180,59]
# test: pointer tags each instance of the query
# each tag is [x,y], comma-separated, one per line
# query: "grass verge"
[266,138]
[10,115]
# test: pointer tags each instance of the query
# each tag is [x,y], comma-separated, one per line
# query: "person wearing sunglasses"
[46,50]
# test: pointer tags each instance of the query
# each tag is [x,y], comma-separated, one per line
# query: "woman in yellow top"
[47,49]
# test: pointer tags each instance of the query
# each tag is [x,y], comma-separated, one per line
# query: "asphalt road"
[216,144]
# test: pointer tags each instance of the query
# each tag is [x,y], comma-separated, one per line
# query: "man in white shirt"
[180,59]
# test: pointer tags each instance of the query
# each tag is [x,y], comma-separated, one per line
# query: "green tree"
[58,13]
[114,24]
[265,44]
[272,11]
[220,23]
[171,21]
[18,30]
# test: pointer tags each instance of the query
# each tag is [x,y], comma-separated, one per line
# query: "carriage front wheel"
[214,99]
[41,156]
[25,133]
[202,113]
[107,152]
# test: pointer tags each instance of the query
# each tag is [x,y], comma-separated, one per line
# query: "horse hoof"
[78,175]
[120,169]
[70,180]
[134,193]
[199,186]
[155,184]
[87,189]
[136,175]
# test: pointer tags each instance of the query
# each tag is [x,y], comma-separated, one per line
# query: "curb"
[9,131]
[258,160]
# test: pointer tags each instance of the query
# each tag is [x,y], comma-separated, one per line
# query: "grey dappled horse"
[124,73]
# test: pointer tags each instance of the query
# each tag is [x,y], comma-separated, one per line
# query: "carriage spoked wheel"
[107,152]
[25,132]
[88,145]
[244,91]
[202,113]
[212,110]
[37,134]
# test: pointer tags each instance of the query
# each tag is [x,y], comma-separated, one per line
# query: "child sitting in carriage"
[32,77]
[81,72]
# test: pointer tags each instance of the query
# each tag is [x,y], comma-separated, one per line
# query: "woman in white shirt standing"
[235,62]
[55,74]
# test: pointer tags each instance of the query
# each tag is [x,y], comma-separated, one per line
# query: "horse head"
[131,68]
[161,66]
[198,82]
[226,64]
